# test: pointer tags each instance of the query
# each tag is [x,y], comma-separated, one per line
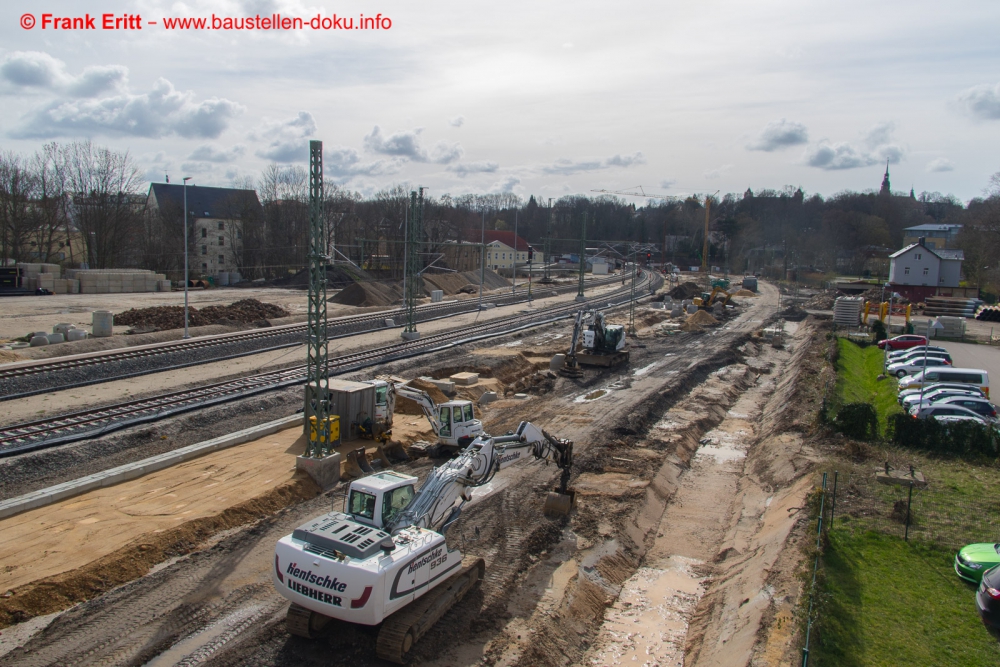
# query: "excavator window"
[446,422]
[362,504]
[468,413]
[393,502]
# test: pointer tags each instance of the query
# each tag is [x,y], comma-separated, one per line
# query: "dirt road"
[552,585]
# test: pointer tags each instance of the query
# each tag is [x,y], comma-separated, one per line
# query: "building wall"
[917,266]
[213,246]
[940,242]
[501,256]
[951,273]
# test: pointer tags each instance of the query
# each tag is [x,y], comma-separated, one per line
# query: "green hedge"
[962,438]
[858,421]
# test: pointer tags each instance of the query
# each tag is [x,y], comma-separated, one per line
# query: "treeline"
[95,196]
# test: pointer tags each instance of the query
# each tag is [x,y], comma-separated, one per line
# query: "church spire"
[885,181]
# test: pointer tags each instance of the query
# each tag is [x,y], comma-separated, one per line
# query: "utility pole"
[186,278]
[513,274]
[413,236]
[547,248]
[704,251]
[583,253]
[631,303]
[482,263]
[317,407]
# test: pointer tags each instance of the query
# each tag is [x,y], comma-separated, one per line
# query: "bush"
[858,421]
[878,331]
[962,438]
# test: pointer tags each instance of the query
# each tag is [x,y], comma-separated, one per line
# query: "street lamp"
[186,179]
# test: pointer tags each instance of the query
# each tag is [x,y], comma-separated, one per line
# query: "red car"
[902,342]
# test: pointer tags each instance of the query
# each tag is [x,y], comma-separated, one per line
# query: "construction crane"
[640,193]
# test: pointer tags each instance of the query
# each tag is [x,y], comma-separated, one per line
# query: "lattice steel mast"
[414,234]
[318,367]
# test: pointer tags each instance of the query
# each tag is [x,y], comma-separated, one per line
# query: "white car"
[896,354]
[937,395]
[906,393]
[919,355]
[911,366]
[943,410]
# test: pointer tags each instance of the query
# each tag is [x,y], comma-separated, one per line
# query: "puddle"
[592,396]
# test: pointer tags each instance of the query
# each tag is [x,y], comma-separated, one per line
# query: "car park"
[944,410]
[988,597]
[973,560]
[910,366]
[902,342]
[935,395]
[979,405]
[918,354]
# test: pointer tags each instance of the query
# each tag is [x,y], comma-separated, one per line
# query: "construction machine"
[709,299]
[603,344]
[453,422]
[385,559]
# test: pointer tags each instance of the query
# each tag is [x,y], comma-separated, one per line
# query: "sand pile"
[702,318]
[493,279]
[449,283]
[744,292]
[369,293]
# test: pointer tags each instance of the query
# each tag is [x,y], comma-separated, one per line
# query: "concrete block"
[447,386]
[557,362]
[324,471]
[39,341]
[465,378]
[114,289]
[487,397]
[410,335]
[437,296]
[389,322]
[88,289]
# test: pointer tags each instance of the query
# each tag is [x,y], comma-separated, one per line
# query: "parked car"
[977,377]
[973,560]
[918,353]
[980,406]
[902,342]
[988,597]
[910,366]
[937,386]
[935,395]
[910,350]
[944,410]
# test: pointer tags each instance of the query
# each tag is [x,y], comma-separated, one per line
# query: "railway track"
[24,379]
[58,430]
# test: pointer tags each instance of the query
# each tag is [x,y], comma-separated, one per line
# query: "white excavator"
[603,344]
[385,560]
[454,422]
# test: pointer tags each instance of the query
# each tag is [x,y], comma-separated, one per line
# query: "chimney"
[920,241]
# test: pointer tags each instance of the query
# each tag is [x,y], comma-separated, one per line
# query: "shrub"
[858,421]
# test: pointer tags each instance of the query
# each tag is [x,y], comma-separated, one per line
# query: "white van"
[974,376]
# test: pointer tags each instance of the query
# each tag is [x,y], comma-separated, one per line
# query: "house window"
[239,234]
[222,240]
[204,267]
[926,270]
[204,232]
[222,225]
[222,259]
[906,270]
[918,255]
[204,250]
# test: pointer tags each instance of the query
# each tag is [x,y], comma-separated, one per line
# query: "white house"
[501,252]
[917,264]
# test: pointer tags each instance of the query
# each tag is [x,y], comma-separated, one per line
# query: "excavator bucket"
[356,463]
[559,504]
[394,451]
[379,456]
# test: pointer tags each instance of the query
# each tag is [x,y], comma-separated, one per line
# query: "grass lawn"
[857,368]
[889,602]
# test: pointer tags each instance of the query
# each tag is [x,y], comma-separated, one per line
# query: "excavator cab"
[459,425]
[377,499]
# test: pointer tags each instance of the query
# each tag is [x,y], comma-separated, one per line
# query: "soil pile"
[493,280]
[702,319]
[337,276]
[369,293]
[822,301]
[405,406]
[744,292]
[6,356]
[686,290]
[794,314]
[244,311]
[449,283]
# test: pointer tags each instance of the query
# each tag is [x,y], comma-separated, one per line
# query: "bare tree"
[16,189]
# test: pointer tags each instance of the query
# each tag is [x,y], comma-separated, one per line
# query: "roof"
[203,202]
[933,228]
[937,252]
[951,254]
[503,236]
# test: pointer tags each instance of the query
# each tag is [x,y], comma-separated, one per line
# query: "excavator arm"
[434,505]
[426,404]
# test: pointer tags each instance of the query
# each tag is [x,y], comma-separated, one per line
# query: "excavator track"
[302,622]
[404,628]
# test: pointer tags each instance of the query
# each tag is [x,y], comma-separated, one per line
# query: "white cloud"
[717,172]
[779,134]
[346,163]
[940,164]
[668,183]
[208,153]
[876,147]
[287,140]
[982,101]
[79,110]
[506,185]
[464,169]
[566,166]
[457,121]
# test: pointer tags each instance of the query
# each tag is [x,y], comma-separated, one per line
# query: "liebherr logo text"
[427,558]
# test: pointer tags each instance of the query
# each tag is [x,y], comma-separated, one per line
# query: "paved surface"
[970,355]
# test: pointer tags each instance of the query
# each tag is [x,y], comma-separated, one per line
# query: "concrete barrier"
[53,494]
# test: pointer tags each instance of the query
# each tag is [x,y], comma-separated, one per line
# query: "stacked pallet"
[114,281]
[953,307]
[847,310]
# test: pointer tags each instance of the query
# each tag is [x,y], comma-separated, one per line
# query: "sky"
[545,99]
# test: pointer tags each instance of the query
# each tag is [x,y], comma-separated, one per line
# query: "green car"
[974,559]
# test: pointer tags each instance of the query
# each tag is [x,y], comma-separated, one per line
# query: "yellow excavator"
[707,300]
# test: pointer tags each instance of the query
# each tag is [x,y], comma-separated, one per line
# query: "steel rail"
[62,429]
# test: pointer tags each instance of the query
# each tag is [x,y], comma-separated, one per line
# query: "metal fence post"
[812,589]
[833,503]
[909,499]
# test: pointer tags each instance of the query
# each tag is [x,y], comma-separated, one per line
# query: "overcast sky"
[538,98]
